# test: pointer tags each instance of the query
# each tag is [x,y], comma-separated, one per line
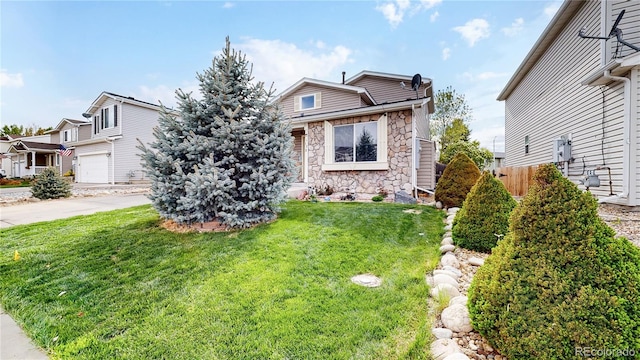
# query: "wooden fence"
[516,178]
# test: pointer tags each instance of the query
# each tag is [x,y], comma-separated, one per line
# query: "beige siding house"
[364,134]
[574,101]
[109,154]
[68,133]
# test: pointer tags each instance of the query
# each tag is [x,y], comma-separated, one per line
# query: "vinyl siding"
[137,123]
[385,90]
[635,123]
[331,100]
[630,25]
[550,102]
[109,131]
[426,173]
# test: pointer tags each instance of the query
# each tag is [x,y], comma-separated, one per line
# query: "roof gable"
[105,95]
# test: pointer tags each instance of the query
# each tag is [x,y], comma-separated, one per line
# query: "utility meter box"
[561,150]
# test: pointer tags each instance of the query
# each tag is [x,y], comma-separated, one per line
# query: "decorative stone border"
[455,337]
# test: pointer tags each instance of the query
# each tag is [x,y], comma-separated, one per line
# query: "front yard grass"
[116,285]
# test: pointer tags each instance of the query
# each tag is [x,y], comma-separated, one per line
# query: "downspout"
[113,160]
[414,154]
[626,129]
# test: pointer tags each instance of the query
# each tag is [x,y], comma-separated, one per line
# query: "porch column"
[33,162]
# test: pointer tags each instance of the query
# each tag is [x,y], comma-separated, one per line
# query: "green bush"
[560,281]
[377,198]
[485,212]
[48,185]
[456,181]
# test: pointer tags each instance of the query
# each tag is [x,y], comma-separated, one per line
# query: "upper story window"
[70,135]
[307,102]
[106,119]
[526,144]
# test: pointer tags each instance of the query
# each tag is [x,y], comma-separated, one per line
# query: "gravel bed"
[20,197]
[625,221]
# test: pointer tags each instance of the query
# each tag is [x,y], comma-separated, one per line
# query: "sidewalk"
[14,343]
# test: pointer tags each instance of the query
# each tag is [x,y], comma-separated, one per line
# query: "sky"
[56,57]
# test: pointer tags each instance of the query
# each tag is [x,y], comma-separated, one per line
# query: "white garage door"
[93,169]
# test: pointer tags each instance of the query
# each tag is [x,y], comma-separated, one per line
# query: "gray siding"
[426,173]
[630,25]
[385,90]
[331,100]
[550,102]
[635,123]
[84,132]
[137,123]
[109,131]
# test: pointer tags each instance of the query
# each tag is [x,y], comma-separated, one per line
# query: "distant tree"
[449,106]
[227,157]
[454,132]
[23,131]
[12,130]
[480,156]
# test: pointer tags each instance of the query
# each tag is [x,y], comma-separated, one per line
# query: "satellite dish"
[416,82]
[614,30]
[86,115]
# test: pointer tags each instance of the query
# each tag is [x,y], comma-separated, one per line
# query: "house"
[109,153]
[27,155]
[367,133]
[68,133]
[575,100]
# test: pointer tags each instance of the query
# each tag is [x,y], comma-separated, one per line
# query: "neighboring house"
[576,101]
[364,134]
[68,133]
[28,155]
[109,154]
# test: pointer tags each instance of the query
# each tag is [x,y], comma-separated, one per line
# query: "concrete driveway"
[47,210]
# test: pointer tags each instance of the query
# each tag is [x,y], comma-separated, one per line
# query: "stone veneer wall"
[368,182]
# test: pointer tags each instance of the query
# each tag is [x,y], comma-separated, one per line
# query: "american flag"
[64,151]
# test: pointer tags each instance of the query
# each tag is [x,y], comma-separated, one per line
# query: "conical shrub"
[456,181]
[48,185]
[560,284]
[485,213]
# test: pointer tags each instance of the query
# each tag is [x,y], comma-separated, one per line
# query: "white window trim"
[109,117]
[297,102]
[329,159]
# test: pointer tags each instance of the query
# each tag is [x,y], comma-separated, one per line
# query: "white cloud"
[434,16]
[446,53]
[428,4]
[490,136]
[474,30]
[515,28]
[165,94]
[281,63]
[552,9]
[228,5]
[11,80]
[394,11]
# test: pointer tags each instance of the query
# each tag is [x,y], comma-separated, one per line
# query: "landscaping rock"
[442,333]
[458,300]
[367,280]
[453,210]
[438,205]
[447,241]
[446,272]
[452,269]
[449,260]
[476,261]
[447,248]
[446,289]
[445,279]
[442,348]
[457,356]
[447,228]
[403,197]
[456,318]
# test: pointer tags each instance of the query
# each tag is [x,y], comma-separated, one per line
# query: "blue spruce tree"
[227,157]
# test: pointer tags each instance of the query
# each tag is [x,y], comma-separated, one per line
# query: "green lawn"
[115,285]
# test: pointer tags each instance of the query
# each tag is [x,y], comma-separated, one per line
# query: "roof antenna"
[615,31]
[416,81]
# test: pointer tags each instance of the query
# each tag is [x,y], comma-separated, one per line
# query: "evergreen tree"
[366,148]
[227,157]
[48,185]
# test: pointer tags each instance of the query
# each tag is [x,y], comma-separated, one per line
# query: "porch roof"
[27,146]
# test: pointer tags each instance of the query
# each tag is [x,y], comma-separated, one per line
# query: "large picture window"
[357,142]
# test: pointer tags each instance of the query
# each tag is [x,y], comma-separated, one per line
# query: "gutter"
[369,110]
[626,148]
